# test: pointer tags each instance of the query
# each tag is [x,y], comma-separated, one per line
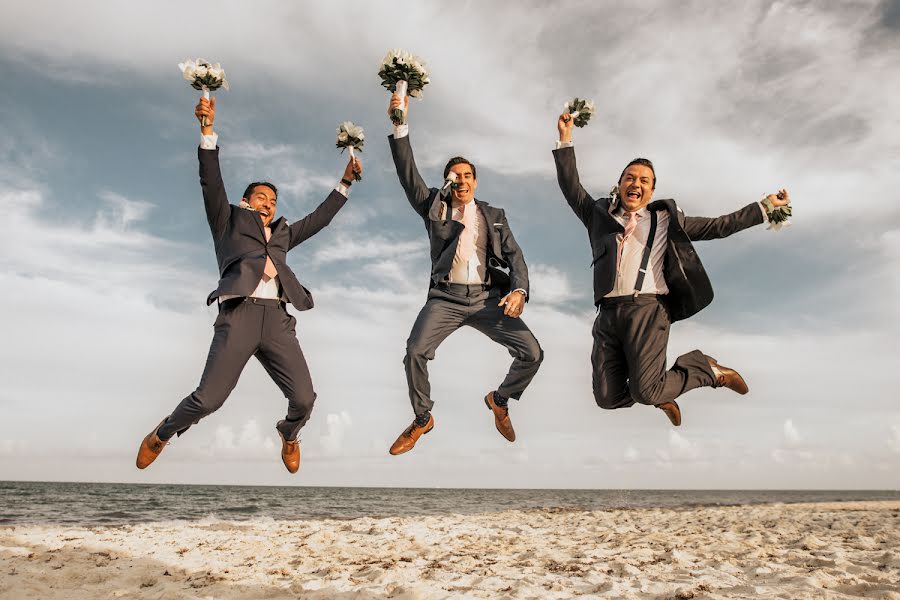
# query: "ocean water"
[87,504]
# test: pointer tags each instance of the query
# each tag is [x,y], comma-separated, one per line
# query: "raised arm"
[417,191]
[567,172]
[706,228]
[318,219]
[215,200]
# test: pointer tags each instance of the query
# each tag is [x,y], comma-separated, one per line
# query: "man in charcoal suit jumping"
[255,285]
[647,275]
[471,243]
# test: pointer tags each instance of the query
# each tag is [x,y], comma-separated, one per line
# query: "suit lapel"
[491,216]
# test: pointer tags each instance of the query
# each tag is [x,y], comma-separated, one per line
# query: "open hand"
[515,304]
[206,108]
[564,125]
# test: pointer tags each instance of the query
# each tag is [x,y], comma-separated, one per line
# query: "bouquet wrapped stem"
[399,115]
[205,95]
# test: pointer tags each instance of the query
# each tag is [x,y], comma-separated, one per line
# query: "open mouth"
[633,195]
[263,212]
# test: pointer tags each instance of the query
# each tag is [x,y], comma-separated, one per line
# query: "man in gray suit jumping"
[254,286]
[646,276]
[471,245]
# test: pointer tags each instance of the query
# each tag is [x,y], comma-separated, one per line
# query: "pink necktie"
[630,224]
[270,271]
[467,238]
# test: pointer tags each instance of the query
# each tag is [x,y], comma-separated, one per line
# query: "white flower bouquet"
[581,110]
[203,76]
[352,137]
[779,216]
[403,73]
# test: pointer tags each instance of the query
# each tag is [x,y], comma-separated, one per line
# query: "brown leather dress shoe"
[150,448]
[672,411]
[726,377]
[410,436]
[501,418]
[290,453]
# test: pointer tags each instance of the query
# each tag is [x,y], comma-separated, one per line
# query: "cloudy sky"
[107,257]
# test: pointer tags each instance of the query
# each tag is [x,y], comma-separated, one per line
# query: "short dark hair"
[253,185]
[459,160]
[643,162]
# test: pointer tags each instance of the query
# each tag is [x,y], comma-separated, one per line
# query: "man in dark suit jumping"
[254,286]
[471,243]
[646,276]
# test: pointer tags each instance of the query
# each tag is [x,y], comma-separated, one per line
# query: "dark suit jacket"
[506,264]
[240,240]
[690,290]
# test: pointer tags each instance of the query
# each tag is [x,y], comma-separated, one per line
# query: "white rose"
[589,107]
[200,72]
[342,136]
[217,72]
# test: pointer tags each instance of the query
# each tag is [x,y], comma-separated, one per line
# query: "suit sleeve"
[512,254]
[706,228]
[570,184]
[317,220]
[417,192]
[215,200]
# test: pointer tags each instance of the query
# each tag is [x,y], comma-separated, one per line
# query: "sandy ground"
[839,550]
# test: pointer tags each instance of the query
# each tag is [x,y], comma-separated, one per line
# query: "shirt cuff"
[765,213]
[401,131]
[560,144]
[209,142]
[340,188]
[524,293]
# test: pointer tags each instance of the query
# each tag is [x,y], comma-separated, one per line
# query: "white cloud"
[792,437]
[337,426]
[894,439]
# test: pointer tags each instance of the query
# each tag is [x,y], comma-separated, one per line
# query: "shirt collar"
[616,210]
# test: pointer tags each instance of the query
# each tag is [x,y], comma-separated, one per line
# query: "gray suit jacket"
[690,290]
[240,240]
[506,264]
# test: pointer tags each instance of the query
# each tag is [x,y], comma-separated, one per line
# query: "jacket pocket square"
[498,224]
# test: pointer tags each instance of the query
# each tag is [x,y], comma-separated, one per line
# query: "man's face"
[262,200]
[636,187]
[464,191]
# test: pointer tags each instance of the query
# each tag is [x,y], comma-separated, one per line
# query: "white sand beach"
[835,550]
